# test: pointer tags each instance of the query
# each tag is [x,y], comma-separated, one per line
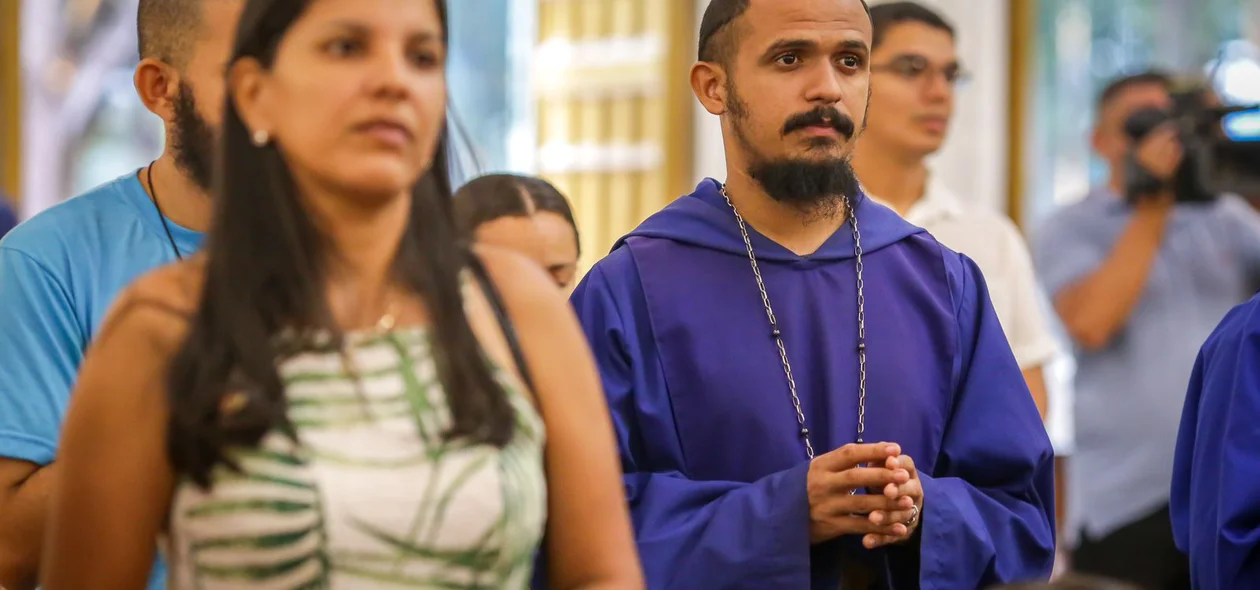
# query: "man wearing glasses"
[914,71]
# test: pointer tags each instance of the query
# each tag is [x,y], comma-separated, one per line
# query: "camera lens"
[1144,121]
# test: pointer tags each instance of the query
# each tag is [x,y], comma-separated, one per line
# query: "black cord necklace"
[161,216]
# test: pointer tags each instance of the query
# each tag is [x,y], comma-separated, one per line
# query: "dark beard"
[192,141]
[815,187]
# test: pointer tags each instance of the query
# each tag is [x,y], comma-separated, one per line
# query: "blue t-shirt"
[59,273]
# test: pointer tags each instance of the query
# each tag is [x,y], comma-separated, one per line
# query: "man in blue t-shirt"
[60,271]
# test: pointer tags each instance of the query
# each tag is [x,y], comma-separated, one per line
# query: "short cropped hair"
[886,16]
[717,42]
[1119,85]
[494,196]
[166,29]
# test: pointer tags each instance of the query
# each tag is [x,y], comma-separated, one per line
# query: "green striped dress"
[373,497]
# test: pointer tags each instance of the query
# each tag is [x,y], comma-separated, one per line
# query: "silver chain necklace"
[777,333]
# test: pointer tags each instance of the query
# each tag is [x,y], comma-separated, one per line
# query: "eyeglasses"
[915,68]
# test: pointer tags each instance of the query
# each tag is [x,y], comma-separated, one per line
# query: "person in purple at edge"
[8,217]
[1215,495]
[808,391]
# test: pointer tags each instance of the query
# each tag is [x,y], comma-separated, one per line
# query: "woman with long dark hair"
[522,213]
[334,395]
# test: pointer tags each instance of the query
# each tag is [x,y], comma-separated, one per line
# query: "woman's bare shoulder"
[524,286]
[539,313]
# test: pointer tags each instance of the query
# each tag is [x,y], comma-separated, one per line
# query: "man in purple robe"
[808,391]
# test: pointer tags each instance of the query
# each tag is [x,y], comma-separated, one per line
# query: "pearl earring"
[261,138]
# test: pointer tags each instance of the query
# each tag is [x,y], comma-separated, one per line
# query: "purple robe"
[1215,502]
[715,468]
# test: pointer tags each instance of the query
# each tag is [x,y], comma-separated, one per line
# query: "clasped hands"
[887,514]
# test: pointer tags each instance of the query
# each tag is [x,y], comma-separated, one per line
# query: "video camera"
[1221,146]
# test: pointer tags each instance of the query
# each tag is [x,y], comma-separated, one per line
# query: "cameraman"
[1138,285]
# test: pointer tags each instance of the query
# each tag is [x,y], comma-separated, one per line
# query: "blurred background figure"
[1126,270]
[915,67]
[525,214]
[62,269]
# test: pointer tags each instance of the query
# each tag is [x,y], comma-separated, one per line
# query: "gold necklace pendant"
[232,403]
[387,321]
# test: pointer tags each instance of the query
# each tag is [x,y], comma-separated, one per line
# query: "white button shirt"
[998,248]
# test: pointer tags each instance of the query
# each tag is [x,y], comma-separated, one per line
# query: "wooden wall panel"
[10,98]
[614,114]
[1022,39]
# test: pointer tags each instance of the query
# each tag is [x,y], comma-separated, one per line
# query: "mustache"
[822,117]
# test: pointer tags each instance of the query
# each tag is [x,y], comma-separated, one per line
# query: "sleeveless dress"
[373,497]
